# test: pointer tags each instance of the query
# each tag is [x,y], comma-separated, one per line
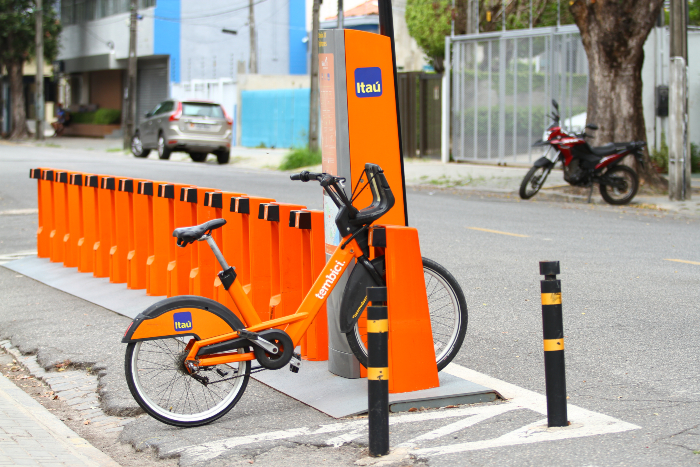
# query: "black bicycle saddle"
[187,235]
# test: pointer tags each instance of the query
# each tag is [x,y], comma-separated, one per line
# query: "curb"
[73,443]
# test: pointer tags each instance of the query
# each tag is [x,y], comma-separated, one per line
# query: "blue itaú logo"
[368,82]
[183,321]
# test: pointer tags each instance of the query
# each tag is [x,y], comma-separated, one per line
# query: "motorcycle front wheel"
[533,181]
[620,185]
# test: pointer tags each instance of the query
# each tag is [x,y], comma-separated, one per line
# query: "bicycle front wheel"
[163,387]
[448,316]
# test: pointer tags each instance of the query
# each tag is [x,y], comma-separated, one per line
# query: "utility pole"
[678,149]
[341,15]
[39,75]
[253,66]
[131,80]
[314,102]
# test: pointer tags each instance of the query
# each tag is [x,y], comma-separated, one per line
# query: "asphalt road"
[630,316]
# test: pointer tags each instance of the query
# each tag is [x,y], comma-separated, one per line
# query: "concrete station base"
[314,385]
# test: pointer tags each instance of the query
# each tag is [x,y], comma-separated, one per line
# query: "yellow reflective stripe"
[553,344]
[378,374]
[551,298]
[379,325]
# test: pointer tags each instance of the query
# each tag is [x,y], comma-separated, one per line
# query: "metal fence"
[502,87]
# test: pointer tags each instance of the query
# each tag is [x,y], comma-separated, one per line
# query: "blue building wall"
[166,34]
[276,118]
[297,33]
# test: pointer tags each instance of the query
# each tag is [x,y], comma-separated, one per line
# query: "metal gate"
[420,101]
[502,87]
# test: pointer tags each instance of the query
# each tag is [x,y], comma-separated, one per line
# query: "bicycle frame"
[297,324]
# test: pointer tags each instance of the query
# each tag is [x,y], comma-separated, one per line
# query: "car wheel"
[223,157]
[163,150]
[137,147]
[199,156]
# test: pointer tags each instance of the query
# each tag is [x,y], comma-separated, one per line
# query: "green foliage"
[579,82]
[300,157]
[108,116]
[17,30]
[261,145]
[694,12]
[428,23]
[99,117]
[520,120]
[660,157]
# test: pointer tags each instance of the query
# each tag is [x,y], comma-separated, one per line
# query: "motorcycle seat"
[604,150]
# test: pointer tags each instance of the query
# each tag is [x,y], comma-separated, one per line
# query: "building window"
[79,11]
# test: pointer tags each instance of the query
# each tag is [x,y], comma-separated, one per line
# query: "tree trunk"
[613,35]
[314,91]
[18,111]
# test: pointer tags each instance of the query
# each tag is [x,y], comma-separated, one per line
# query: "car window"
[191,109]
[155,109]
[165,107]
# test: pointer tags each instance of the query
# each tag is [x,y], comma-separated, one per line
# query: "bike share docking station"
[359,124]
[120,230]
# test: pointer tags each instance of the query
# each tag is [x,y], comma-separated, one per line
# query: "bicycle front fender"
[184,315]
[354,300]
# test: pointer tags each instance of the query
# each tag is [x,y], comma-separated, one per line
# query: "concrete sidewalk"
[31,435]
[481,177]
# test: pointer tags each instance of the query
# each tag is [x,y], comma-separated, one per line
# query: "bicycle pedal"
[221,372]
[295,363]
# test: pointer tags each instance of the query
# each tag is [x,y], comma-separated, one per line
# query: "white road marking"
[479,414]
[14,256]
[19,212]
[584,423]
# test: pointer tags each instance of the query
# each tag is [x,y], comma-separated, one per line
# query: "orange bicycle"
[188,358]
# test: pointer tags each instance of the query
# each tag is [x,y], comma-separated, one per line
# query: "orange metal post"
[105,208]
[46,201]
[42,232]
[317,335]
[258,285]
[142,235]
[285,259]
[411,353]
[86,243]
[204,270]
[157,274]
[75,220]
[125,236]
[179,259]
[60,216]
[231,243]
[120,233]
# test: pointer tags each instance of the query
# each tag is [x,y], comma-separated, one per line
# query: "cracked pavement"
[630,320]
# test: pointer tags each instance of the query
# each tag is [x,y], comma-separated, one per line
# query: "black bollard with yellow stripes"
[378,371]
[553,335]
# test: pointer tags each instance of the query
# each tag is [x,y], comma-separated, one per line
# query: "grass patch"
[300,157]
[115,150]
[52,145]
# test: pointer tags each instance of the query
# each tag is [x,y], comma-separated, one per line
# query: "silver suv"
[195,127]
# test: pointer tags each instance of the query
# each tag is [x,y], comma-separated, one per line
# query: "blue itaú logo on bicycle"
[368,82]
[183,321]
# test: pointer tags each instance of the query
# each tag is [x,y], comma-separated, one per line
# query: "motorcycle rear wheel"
[627,185]
[533,181]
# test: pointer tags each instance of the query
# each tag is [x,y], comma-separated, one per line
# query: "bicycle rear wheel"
[161,385]
[448,316]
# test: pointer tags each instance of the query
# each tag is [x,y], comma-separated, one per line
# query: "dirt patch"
[108,443]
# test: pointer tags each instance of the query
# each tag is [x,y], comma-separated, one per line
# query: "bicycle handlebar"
[305,176]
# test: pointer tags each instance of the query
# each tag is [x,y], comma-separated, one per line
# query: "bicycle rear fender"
[354,300]
[184,315]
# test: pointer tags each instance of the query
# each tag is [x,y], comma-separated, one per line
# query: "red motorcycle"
[585,165]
